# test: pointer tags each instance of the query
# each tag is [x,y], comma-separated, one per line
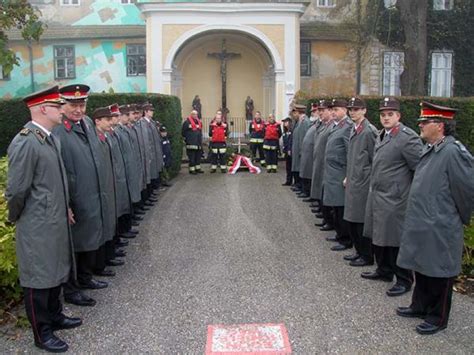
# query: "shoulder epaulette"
[25,131]
[461,146]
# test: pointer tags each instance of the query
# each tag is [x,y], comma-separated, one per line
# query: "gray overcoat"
[297,141]
[107,175]
[359,165]
[137,151]
[396,156]
[145,148]
[155,149]
[121,185]
[318,160]
[37,199]
[129,157]
[441,200]
[335,163]
[306,164]
[84,184]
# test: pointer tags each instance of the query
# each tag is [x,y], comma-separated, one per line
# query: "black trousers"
[194,156]
[296,177]
[85,264]
[289,175]
[386,258]
[328,214]
[433,296]
[306,185]
[124,224]
[257,148]
[43,308]
[218,158]
[362,245]
[271,157]
[155,184]
[341,226]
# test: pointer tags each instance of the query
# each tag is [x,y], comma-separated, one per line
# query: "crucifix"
[224,56]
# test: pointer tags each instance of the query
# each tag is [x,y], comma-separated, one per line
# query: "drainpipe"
[32,74]
[359,54]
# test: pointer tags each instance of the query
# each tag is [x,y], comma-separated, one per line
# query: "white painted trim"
[237,28]
[222,7]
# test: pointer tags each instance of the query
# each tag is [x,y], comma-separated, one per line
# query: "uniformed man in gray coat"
[85,191]
[359,165]
[335,164]
[326,116]
[396,154]
[154,141]
[441,200]
[37,198]
[297,141]
[306,164]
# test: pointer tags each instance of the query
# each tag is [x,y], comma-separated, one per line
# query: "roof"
[326,31]
[54,32]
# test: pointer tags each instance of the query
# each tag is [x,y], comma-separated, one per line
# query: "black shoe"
[193,172]
[408,312]
[213,171]
[138,213]
[199,171]
[52,344]
[120,254]
[315,210]
[314,205]
[94,285]
[319,215]
[286,184]
[152,200]
[340,247]
[127,235]
[145,208]
[66,323]
[114,262]
[319,224]
[166,184]
[295,189]
[121,243]
[148,204]
[332,239]
[374,275]
[426,328]
[327,227]
[397,290]
[105,273]
[351,257]
[361,262]
[135,224]
[80,299]
[134,231]
[302,196]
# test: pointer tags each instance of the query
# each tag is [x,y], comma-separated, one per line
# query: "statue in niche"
[249,109]
[197,106]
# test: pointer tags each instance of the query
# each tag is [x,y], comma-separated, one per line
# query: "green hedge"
[410,110]
[14,114]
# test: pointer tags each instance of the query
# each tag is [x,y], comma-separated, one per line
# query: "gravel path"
[221,249]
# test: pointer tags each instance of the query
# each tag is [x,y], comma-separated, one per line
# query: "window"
[64,62]
[393,63]
[70,2]
[136,59]
[441,74]
[326,3]
[3,76]
[442,4]
[127,1]
[305,58]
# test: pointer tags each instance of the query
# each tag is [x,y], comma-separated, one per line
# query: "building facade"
[273,48]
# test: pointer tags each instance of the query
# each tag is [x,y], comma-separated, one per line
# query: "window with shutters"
[442,4]
[441,74]
[64,62]
[305,58]
[326,3]
[136,59]
[393,63]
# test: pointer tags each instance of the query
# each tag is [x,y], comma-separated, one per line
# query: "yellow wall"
[201,76]
[332,69]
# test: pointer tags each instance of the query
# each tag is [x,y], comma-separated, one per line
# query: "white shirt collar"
[48,132]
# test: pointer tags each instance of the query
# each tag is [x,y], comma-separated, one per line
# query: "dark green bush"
[14,114]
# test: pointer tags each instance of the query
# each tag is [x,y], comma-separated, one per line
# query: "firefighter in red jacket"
[218,132]
[271,143]
[257,133]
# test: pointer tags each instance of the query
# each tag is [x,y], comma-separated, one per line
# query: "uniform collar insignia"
[67,125]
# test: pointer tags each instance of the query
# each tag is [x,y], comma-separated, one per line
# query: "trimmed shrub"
[14,114]
[410,110]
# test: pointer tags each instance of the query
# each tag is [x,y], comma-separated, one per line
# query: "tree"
[413,18]
[21,15]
